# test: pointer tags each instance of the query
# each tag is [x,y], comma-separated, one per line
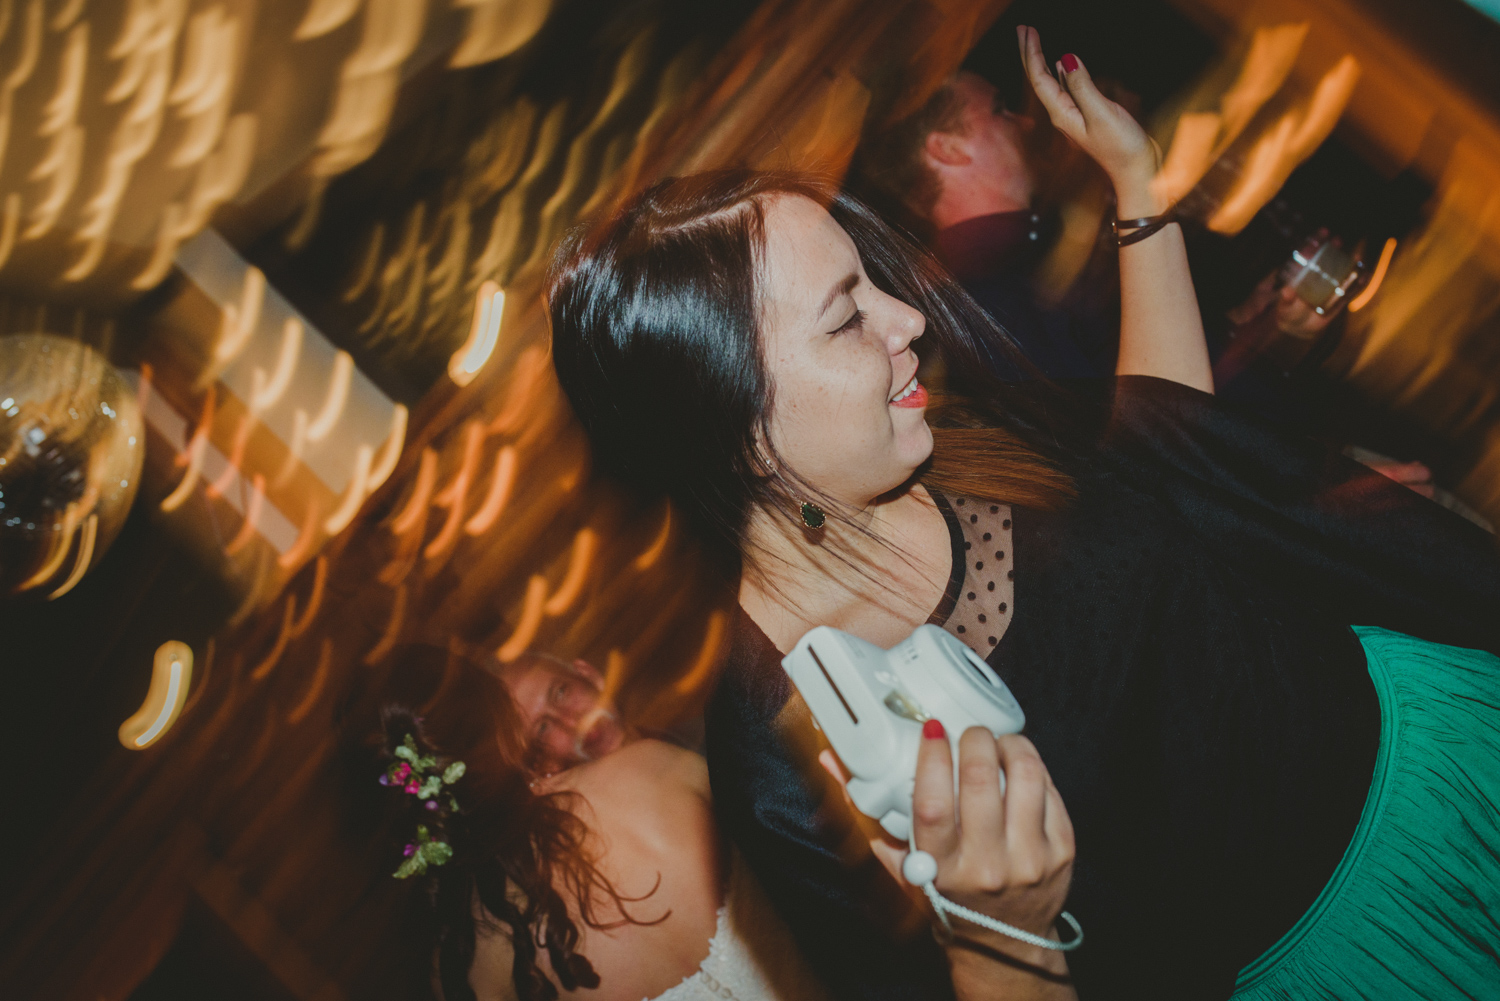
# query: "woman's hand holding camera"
[1005,852]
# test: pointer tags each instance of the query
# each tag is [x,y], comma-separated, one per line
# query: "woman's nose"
[905,324]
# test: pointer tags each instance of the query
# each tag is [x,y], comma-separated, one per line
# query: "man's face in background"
[560,704]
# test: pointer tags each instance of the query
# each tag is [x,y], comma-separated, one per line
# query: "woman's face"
[847,411]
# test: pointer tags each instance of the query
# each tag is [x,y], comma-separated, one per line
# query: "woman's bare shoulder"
[644,764]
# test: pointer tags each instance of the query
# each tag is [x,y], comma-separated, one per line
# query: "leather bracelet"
[1144,227]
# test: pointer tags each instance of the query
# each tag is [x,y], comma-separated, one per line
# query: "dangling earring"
[812,515]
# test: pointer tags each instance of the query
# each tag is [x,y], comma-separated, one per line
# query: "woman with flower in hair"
[608,880]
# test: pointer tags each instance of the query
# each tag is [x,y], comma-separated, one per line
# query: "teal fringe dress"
[1413,910]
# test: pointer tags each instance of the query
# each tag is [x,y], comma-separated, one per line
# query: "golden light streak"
[368,83]
[338,397]
[251,600]
[324,16]
[708,655]
[146,45]
[305,538]
[489,306]
[283,636]
[395,440]
[1383,265]
[220,176]
[454,495]
[31,50]
[236,456]
[252,516]
[367,266]
[1202,137]
[448,272]
[526,379]
[143,386]
[1286,145]
[315,687]
[171,677]
[416,504]
[192,457]
[205,85]
[85,555]
[59,547]
[579,561]
[354,493]
[264,393]
[501,481]
[65,17]
[1273,52]
[207,672]
[237,325]
[314,598]
[497,28]
[64,155]
[294,450]
[531,619]
[392,632]
[8,225]
[406,252]
[614,676]
[653,552]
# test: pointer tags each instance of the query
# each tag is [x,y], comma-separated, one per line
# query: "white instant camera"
[871,704]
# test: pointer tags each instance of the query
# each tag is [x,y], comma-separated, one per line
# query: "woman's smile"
[913,395]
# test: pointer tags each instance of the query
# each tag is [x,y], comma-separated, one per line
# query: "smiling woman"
[1189,634]
[675,352]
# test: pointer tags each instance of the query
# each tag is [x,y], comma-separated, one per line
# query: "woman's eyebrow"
[843,288]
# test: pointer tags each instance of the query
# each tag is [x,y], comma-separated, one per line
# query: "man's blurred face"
[996,137]
[560,707]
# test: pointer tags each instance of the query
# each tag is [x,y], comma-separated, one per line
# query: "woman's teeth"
[911,387]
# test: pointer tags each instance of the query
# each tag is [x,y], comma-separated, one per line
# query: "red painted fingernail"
[933,729]
[1070,63]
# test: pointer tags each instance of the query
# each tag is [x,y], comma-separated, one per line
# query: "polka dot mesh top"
[985,599]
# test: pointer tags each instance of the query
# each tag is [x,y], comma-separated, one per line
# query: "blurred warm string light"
[1202,139]
[171,676]
[1362,300]
[489,307]
[366,95]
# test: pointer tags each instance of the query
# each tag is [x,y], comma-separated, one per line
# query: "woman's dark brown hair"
[656,340]
[523,857]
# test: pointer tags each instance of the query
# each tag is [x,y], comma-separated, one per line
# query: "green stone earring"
[812,515]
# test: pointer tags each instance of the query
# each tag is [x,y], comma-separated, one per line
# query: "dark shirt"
[994,257]
[1182,651]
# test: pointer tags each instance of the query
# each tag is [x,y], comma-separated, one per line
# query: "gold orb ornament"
[71,448]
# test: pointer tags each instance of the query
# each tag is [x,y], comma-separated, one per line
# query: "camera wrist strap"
[944,907]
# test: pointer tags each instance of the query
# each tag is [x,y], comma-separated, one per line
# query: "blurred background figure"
[960,173]
[561,706]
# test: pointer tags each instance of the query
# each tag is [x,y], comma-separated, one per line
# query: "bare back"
[651,824]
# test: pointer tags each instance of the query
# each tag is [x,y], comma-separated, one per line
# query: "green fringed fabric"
[1413,910]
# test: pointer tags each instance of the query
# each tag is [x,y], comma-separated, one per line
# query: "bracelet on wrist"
[1143,227]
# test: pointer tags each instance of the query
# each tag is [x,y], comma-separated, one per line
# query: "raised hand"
[1101,127]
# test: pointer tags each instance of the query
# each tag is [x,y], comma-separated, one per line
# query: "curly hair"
[520,858]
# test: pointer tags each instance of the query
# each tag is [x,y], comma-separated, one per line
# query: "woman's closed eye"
[855,322]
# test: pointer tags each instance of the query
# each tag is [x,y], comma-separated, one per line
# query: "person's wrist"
[1136,197]
[980,950]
